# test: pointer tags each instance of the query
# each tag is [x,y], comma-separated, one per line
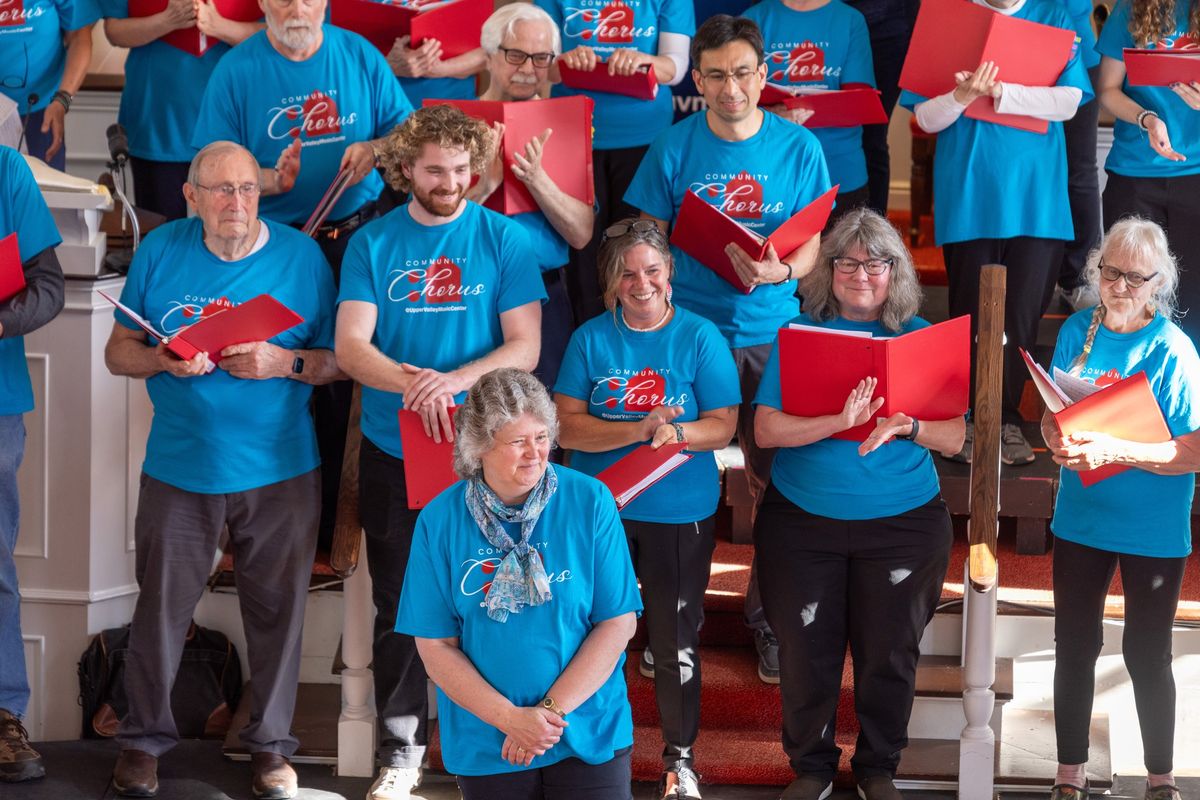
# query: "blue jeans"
[14,688]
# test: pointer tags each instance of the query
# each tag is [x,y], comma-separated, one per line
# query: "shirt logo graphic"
[1184,42]
[180,314]
[436,281]
[638,393]
[13,13]
[803,63]
[313,115]
[477,579]
[611,24]
[740,196]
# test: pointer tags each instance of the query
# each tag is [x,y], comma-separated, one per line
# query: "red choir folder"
[642,468]
[957,35]
[428,465]
[642,84]
[702,231]
[1161,67]
[12,272]
[332,195]
[925,374]
[255,320]
[456,23]
[567,157]
[191,40]
[840,108]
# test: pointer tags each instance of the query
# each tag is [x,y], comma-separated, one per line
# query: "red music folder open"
[702,231]
[925,374]
[567,156]
[642,468]
[839,108]
[1161,67]
[958,35]
[455,24]
[428,465]
[12,271]
[642,84]
[191,40]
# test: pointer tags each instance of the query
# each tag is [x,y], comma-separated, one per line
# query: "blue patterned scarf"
[520,579]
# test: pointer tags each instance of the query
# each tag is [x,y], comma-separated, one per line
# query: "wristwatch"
[297,365]
[548,703]
[912,435]
[679,437]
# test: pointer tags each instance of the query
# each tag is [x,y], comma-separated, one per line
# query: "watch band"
[912,436]
[297,365]
[548,703]
[679,437]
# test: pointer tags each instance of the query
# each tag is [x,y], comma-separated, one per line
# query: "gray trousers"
[274,531]
[751,362]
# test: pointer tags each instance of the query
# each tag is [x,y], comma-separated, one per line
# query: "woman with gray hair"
[521,597]
[1140,519]
[852,540]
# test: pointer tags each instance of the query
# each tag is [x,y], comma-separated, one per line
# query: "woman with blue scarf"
[522,598]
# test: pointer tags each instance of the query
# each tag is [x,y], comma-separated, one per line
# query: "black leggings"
[569,779]
[1081,578]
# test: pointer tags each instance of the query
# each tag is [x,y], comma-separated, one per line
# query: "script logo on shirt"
[635,393]
[313,115]
[13,13]
[1181,42]
[478,572]
[600,22]
[739,195]
[801,63]
[437,282]
[190,310]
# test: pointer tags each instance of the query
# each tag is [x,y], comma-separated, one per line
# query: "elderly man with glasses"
[230,448]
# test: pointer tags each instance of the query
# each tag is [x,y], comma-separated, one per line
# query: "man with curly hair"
[434,294]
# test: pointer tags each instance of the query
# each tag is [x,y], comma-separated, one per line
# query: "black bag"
[203,699]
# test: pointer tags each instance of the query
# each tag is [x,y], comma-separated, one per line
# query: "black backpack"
[203,699]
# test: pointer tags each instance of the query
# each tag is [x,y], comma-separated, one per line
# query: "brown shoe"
[18,761]
[136,774]
[274,778]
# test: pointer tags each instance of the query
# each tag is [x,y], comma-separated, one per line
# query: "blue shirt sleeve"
[614,585]
[1180,393]
[114,9]
[76,14]
[716,383]
[1115,35]
[426,609]
[814,182]
[911,99]
[32,221]
[677,16]
[651,188]
[520,279]
[573,378]
[859,67]
[1075,73]
[770,390]
[356,282]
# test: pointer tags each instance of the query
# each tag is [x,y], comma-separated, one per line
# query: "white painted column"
[977,743]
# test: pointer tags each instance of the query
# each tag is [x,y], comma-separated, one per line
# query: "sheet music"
[798,326]
[1073,387]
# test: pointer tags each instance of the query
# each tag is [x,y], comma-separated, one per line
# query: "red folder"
[567,157]
[255,320]
[703,231]
[1161,67]
[191,40]
[642,84]
[957,35]
[925,374]
[1127,410]
[456,24]
[428,465]
[642,468]
[840,108]
[12,272]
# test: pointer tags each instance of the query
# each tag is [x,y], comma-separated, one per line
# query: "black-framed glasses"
[872,266]
[715,79]
[643,227]
[1132,279]
[518,57]
[228,190]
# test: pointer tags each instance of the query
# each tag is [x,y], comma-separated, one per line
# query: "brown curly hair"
[443,125]
[1151,20]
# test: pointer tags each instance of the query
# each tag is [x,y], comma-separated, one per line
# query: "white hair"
[501,23]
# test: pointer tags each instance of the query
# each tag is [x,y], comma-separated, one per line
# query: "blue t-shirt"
[163,88]
[215,433]
[1134,511]
[609,25]
[992,181]
[622,375]
[31,43]
[548,248]
[24,213]
[826,48]
[1131,154]
[439,291]
[1081,23]
[829,478]
[761,182]
[582,545]
[344,93]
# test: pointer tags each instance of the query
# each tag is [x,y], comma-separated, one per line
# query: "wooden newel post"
[977,744]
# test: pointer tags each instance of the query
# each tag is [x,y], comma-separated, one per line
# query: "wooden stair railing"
[347,531]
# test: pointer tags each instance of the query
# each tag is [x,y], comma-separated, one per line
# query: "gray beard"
[295,38]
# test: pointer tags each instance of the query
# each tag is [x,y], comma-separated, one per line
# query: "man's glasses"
[519,57]
[872,266]
[644,227]
[228,190]
[1132,279]
[715,79]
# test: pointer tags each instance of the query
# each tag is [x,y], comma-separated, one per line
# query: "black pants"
[401,699]
[1173,204]
[847,201]
[158,186]
[673,563]
[569,779]
[888,53]
[37,143]
[557,324]
[871,583]
[613,171]
[1081,578]
[1083,189]
[1032,270]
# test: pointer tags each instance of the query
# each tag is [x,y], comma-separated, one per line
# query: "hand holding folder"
[454,23]
[642,468]
[1161,67]
[191,40]
[12,271]
[642,84]
[328,200]
[840,108]
[428,465]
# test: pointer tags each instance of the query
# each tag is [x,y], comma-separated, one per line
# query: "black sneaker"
[646,663]
[808,787]
[18,761]
[768,656]
[680,782]
[879,787]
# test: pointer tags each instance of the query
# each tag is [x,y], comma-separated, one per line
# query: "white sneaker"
[394,783]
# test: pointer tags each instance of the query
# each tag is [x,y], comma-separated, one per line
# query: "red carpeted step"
[732,696]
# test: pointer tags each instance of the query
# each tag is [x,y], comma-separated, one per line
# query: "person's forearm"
[79,56]
[942,435]
[449,667]
[1179,456]
[363,362]
[593,663]
[938,113]
[709,433]
[465,65]
[804,257]
[588,434]
[131,359]
[39,302]
[570,217]
[1120,105]
[137,31]
[320,367]
[518,353]
[664,68]
[774,428]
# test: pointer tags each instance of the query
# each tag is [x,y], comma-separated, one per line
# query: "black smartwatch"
[916,426]
[297,365]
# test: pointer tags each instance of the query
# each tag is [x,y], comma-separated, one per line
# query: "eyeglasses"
[1132,279]
[872,266]
[645,227]
[716,79]
[519,57]
[228,190]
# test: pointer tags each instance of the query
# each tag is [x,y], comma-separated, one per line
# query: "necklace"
[661,321]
